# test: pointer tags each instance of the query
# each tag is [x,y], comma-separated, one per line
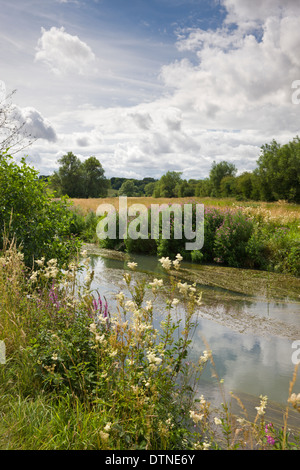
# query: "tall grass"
[79,375]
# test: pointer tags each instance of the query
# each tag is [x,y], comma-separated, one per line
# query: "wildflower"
[40,262]
[84,253]
[153,360]
[120,297]
[183,287]
[206,356]
[156,283]
[107,427]
[196,417]
[179,257]
[217,421]
[93,328]
[33,277]
[54,357]
[127,278]
[132,265]
[261,409]
[295,400]
[166,263]
[130,305]
[104,435]
[175,302]
[199,299]
[176,264]
[149,305]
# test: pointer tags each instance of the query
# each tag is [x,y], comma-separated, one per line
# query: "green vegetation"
[30,215]
[77,179]
[79,375]
[242,237]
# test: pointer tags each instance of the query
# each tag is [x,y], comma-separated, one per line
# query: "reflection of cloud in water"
[251,364]
[247,361]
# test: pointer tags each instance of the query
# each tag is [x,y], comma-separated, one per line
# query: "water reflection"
[250,354]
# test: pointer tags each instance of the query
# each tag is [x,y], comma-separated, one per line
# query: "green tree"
[68,180]
[128,188]
[167,186]
[278,171]
[244,185]
[217,173]
[149,189]
[29,214]
[94,182]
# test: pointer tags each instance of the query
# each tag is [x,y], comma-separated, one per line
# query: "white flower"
[166,263]
[40,262]
[176,264]
[175,302]
[179,257]
[217,420]
[130,305]
[107,427]
[33,276]
[156,283]
[196,417]
[183,287]
[132,265]
[120,297]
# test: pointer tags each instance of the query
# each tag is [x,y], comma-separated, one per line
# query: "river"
[249,319]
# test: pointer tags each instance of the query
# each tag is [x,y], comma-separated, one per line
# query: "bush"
[29,213]
[232,238]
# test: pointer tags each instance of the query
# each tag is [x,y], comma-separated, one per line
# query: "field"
[277,210]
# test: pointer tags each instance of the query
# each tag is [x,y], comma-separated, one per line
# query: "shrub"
[29,213]
[232,238]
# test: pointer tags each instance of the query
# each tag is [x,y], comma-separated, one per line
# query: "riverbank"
[82,375]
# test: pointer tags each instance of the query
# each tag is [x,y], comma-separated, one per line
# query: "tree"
[167,186]
[40,225]
[128,188]
[79,180]
[94,182]
[149,189]
[217,173]
[278,171]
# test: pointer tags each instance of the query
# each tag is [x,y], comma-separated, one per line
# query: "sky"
[148,86]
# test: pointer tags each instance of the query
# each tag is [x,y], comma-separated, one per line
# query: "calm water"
[250,350]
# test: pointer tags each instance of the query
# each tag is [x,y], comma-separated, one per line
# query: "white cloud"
[35,124]
[64,53]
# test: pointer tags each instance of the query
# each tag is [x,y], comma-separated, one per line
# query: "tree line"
[276,177]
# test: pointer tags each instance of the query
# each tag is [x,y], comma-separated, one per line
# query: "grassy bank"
[78,375]
[263,236]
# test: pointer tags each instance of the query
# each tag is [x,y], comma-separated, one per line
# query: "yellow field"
[268,210]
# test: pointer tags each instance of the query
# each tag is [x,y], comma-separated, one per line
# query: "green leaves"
[28,213]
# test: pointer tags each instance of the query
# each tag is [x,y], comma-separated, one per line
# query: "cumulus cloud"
[64,53]
[229,94]
[35,124]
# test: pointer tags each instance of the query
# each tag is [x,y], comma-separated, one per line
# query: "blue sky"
[151,86]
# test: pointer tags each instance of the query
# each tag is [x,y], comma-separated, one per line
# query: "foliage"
[230,245]
[39,224]
[81,375]
[79,180]
[217,173]
[278,171]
